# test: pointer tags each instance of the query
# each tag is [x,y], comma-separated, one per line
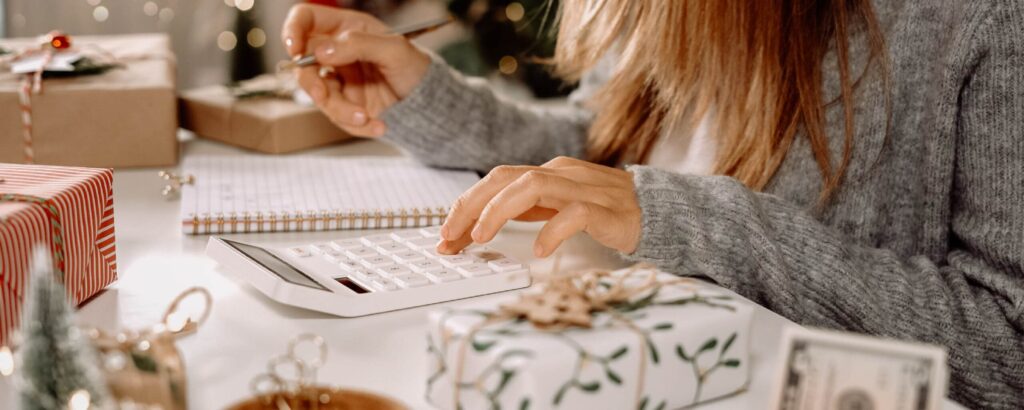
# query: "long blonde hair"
[757,64]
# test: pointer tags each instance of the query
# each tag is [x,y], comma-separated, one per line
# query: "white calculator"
[372,274]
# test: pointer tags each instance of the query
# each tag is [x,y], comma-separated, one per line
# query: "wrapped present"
[69,210]
[634,338]
[125,116]
[259,114]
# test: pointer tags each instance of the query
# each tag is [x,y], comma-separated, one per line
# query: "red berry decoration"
[58,40]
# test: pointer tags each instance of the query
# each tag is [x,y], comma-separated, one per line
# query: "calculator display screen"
[275,265]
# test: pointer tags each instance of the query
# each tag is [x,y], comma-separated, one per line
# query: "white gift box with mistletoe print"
[678,345]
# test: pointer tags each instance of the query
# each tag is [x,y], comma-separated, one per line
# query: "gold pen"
[410,31]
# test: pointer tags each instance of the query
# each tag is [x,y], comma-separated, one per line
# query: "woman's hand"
[372,69]
[572,195]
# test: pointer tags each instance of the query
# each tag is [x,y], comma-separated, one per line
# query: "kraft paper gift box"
[124,117]
[266,124]
[682,344]
[68,210]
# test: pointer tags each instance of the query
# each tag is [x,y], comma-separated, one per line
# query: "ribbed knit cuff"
[682,232]
[663,207]
[417,121]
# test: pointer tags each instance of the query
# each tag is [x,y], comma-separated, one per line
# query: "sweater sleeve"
[782,257]
[458,122]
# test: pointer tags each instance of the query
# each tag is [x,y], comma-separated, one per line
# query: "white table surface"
[384,353]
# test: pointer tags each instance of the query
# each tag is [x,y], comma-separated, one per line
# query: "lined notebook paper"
[237,194]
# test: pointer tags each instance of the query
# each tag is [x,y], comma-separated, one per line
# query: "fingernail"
[444,232]
[442,245]
[288,42]
[326,49]
[538,250]
[359,118]
[477,234]
[379,129]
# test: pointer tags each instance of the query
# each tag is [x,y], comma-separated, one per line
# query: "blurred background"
[222,41]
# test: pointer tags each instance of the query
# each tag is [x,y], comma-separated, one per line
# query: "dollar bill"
[826,370]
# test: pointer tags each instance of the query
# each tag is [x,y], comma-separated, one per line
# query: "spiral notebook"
[241,194]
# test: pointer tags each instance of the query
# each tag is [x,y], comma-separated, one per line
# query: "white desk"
[385,353]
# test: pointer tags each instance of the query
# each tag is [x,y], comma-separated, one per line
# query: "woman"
[848,164]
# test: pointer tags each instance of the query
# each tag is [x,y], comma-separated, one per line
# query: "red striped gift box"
[70,210]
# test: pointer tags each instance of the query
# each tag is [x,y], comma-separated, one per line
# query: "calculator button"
[298,251]
[407,256]
[324,249]
[373,240]
[391,247]
[431,232]
[476,269]
[393,270]
[334,258]
[505,265]
[348,264]
[378,261]
[384,284]
[402,236]
[456,260]
[346,244]
[432,252]
[426,265]
[422,243]
[485,253]
[363,252]
[411,280]
[366,275]
[443,275]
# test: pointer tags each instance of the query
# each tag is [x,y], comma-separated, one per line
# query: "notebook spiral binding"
[259,222]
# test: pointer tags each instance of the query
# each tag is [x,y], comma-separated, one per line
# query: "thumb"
[385,51]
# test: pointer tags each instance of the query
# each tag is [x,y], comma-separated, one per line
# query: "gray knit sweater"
[925,239]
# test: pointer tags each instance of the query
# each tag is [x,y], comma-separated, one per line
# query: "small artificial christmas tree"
[58,364]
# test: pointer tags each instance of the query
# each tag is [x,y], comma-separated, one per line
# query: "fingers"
[308,20]
[350,117]
[329,96]
[467,207]
[452,247]
[386,51]
[532,189]
[570,220]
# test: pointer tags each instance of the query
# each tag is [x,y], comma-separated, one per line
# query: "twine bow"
[49,46]
[572,300]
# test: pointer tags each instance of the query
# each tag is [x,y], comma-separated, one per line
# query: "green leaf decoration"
[731,363]
[614,377]
[643,403]
[590,387]
[728,343]
[561,393]
[682,353]
[654,351]
[506,375]
[661,406]
[524,404]
[144,363]
[618,353]
[663,326]
[483,346]
[675,302]
[710,344]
